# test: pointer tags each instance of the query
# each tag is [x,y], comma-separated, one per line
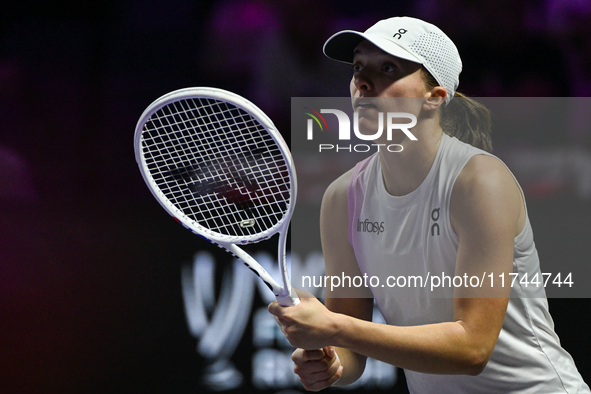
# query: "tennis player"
[444,206]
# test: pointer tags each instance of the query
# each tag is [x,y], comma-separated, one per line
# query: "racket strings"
[218,165]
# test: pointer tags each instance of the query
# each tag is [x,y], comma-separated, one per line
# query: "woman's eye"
[389,68]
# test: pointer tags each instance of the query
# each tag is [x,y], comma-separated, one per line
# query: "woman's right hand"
[317,369]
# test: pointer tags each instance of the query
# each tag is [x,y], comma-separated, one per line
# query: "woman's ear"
[435,98]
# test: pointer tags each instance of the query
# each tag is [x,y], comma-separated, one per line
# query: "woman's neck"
[403,172]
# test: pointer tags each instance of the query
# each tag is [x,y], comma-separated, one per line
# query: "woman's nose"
[362,81]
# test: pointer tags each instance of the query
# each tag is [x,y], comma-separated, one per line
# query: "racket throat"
[255,267]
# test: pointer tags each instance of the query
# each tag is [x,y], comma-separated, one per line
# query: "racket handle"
[290,299]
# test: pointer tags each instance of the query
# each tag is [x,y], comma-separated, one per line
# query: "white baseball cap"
[407,38]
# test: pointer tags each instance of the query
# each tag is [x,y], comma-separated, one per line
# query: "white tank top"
[410,236]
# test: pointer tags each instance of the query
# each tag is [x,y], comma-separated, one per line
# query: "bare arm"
[320,369]
[339,258]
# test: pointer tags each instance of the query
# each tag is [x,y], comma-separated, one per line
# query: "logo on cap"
[398,35]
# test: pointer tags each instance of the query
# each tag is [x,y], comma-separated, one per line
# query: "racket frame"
[284,293]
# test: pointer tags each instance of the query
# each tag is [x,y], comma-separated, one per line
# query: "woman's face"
[378,74]
[383,83]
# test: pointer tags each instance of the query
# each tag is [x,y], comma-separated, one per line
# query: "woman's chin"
[369,126]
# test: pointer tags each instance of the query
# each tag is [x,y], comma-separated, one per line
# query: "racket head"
[217,164]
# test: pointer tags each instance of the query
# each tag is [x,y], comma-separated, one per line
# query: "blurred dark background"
[90,291]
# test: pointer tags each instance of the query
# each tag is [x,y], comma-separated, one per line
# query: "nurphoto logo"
[344,132]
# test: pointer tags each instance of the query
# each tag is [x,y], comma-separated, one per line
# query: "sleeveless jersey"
[411,237]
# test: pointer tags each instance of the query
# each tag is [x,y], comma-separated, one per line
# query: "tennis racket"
[218,165]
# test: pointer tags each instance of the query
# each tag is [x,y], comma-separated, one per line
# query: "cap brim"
[341,46]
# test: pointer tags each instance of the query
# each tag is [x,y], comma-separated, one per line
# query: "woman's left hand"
[308,325]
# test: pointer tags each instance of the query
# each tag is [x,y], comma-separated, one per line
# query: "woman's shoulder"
[472,164]
[336,192]
[486,185]
[340,186]
[485,168]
